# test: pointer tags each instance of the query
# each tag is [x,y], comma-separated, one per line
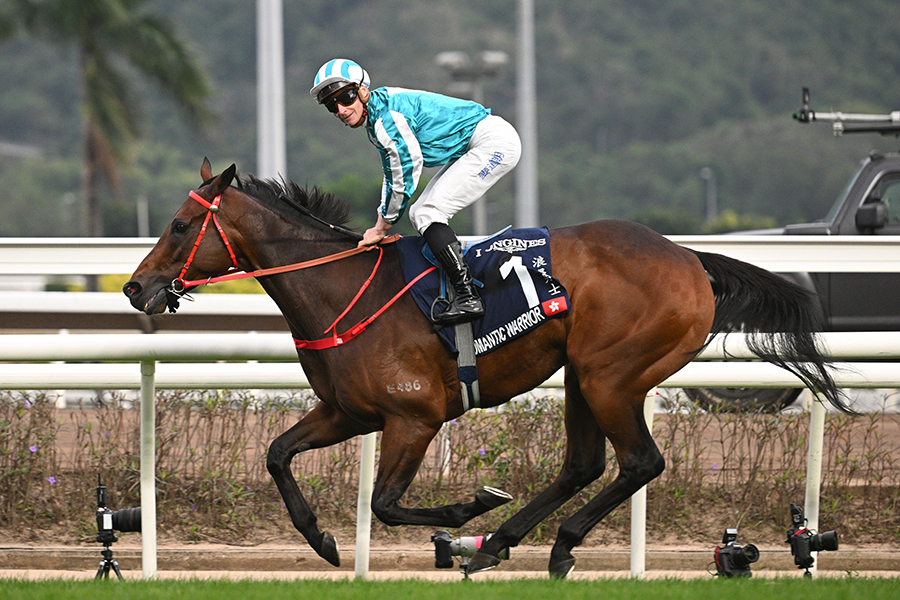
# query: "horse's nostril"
[131,288]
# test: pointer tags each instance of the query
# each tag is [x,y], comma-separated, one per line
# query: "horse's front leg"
[403,445]
[322,426]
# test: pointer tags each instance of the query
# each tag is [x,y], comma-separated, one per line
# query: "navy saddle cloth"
[517,285]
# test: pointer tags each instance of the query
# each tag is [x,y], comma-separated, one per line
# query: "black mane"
[280,195]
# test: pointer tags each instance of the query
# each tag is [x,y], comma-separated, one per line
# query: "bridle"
[179,286]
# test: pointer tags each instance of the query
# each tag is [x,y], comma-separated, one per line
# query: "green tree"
[730,221]
[114,40]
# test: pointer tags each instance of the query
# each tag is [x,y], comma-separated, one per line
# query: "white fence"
[148,350]
[44,257]
[82,256]
[170,361]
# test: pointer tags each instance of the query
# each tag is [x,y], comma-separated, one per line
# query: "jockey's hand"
[371,237]
[375,234]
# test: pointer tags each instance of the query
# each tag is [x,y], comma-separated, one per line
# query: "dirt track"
[212,560]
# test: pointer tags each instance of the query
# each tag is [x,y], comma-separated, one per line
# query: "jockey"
[414,129]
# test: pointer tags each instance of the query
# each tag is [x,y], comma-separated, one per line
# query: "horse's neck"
[301,295]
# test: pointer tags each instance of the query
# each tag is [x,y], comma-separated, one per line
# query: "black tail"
[779,317]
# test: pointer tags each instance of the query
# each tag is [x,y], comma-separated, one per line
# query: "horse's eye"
[179,227]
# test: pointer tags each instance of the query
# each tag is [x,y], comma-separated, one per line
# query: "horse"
[641,307]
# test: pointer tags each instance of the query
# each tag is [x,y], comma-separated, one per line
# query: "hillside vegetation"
[634,96]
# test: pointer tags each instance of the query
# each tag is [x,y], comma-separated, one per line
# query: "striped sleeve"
[401,159]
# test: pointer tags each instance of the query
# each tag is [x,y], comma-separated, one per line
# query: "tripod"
[108,563]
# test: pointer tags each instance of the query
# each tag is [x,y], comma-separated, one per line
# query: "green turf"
[848,588]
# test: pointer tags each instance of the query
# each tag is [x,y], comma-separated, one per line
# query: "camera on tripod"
[445,548]
[804,542]
[108,521]
[733,560]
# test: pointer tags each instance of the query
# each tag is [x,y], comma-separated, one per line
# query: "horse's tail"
[779,317]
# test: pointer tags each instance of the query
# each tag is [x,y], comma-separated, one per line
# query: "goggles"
[345,97]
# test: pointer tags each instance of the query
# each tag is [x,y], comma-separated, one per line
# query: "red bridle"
[178,284]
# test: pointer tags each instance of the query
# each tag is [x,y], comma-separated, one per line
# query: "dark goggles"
[345,97]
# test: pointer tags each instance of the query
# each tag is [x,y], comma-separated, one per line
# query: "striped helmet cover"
[338,70]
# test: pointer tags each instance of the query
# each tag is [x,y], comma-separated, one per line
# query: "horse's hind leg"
[403,445]
[323,426]
[639,463]
[584,463]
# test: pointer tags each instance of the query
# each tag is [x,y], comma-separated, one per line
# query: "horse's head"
[179,255]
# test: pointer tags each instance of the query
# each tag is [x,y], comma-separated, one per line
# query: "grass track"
[618,589]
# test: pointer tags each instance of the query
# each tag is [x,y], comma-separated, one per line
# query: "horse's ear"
[205,170]
[228,176]
[221,183]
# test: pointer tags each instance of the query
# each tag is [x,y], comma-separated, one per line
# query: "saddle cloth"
[517,286]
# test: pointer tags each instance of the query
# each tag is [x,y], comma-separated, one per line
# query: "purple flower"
[33,448]
[52,480]
[481,451]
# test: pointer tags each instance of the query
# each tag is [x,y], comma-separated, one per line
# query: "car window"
[890,196]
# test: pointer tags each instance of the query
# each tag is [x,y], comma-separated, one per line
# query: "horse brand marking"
[404,386]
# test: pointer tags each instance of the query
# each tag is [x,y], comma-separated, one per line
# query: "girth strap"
[468,372]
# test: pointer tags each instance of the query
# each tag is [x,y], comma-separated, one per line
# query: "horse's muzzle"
[154,305]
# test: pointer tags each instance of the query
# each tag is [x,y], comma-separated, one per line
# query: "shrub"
[723,470]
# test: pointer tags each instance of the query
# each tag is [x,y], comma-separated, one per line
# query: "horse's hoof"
[481,562]
[492,497]
[329,550]
[562,569]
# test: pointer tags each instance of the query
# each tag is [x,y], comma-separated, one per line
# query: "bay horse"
[641,307]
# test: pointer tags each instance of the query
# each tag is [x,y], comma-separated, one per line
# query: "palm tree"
[105,32]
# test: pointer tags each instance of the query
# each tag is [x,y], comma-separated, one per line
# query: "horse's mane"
[280,195]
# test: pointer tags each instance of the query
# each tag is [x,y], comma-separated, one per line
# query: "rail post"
[148,469]
[814,465]
[639,506]
[364,504]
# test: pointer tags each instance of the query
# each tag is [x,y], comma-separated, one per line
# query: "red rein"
[337,340]
[321,344]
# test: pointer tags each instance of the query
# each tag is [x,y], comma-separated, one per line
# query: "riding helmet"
[335,74]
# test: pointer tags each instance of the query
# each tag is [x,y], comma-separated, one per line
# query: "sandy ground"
[272,561]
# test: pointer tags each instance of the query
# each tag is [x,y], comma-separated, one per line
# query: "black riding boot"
[466,304]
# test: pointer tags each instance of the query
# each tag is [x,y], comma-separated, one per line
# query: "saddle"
[513,271]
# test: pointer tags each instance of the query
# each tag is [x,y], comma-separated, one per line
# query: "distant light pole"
[468,80]
[712,209]
[271,150]
[526,119]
